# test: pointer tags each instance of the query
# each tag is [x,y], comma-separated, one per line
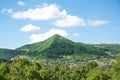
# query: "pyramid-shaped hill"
[52,47]
[55,39]
[58,46]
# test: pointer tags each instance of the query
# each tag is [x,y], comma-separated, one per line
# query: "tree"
[4,70]
[17,68]
[116,68]
[97,74]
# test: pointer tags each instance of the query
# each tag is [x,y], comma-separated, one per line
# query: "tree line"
[23,69]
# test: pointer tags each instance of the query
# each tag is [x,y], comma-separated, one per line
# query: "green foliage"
[8,54]
[116,68]
[23,69]
[75,61]
[2,78]
[58,48]
[92,65]
[4,70]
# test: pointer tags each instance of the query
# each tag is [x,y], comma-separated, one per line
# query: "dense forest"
[58,58]
[23,69]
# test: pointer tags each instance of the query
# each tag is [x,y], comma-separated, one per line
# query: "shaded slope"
[58,46]
[52,47]
[8,53]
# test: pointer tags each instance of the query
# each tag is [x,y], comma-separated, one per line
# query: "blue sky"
[88,21]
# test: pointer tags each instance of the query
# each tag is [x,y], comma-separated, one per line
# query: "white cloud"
[7,10]
[50,12]
[70,21]
[20,3]
[97,22]
[59,17]
[46,12]
[43,5]
[76,34]
[29,28]
[41,37]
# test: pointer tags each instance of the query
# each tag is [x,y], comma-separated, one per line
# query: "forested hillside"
[59,49]
[23,69]
[8,53]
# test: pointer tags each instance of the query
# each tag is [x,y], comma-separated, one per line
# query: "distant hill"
[53,47]
[60,48]
[8,53]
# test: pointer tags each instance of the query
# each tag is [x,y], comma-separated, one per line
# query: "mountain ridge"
[51,45]
[49,41]
[60,48]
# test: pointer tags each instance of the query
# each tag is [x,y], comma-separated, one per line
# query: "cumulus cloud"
[76,34]
[70,21]
[20,3]
[7,10]
[50,12]
[41,37]
[29,28]
[47,12]
[58,17]
[97,22]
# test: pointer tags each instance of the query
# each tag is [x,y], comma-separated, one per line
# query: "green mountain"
[52,47]
[8,53]
[58,48]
